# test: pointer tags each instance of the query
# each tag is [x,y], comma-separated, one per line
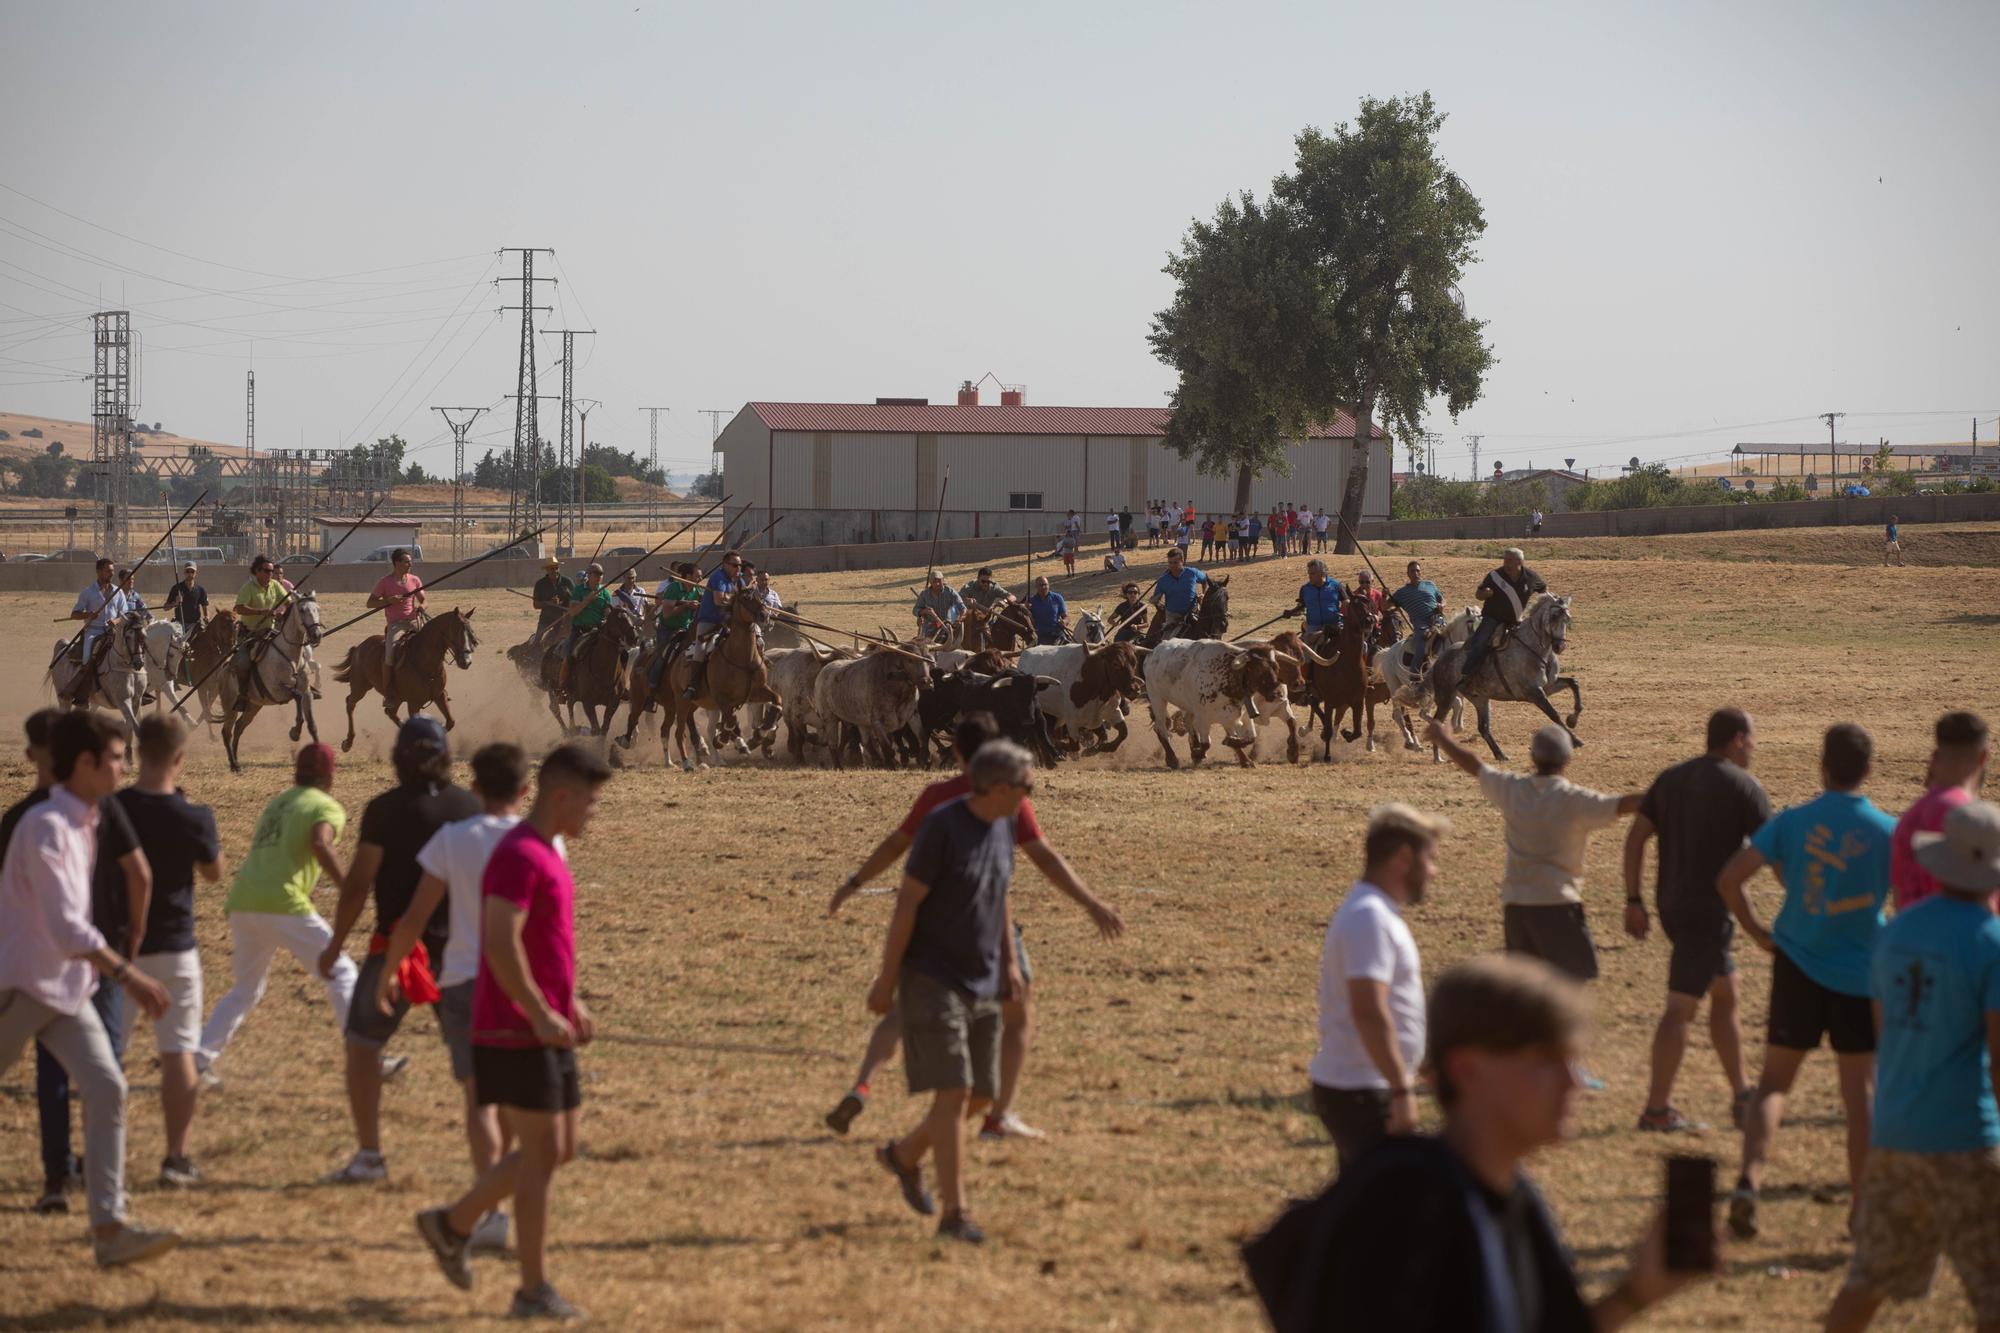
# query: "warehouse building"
[867,472]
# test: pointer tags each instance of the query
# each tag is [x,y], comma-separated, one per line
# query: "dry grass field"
[1168,1066]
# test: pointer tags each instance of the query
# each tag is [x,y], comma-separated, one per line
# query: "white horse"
[1407,690]
[1523,670]
[277,676]
[166,652]
[120,680]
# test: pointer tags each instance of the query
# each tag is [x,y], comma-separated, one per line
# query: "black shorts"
[1556,933]
[527,1078]
[367,1025]
[1356,1119]
[1803,1011]
[1701,952]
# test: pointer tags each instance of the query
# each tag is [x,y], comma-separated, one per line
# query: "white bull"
[1084,689]
[875,694]
[793,672]
[1210,684]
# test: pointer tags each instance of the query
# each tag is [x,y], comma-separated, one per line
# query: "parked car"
[381,554]
[29,556]
[74,553]
[624,555]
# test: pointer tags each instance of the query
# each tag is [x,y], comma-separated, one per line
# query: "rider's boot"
[695,680]
[562,677]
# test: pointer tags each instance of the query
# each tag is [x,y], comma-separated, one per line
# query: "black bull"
[1009,697]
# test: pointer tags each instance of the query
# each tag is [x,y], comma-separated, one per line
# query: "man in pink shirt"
[527,1021]
[50,955]
[399,596]
[1957,772]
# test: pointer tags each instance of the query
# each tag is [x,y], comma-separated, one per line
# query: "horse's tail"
[348,665]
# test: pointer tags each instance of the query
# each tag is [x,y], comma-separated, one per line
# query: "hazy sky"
[1706,223]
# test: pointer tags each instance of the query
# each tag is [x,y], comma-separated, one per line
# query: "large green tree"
[1339,293]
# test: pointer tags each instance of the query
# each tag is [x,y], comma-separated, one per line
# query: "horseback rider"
[985,594]
[307,658]
[1319,599]
[630,597]
[1420,601]
[552,595]
[258,603]
[1048,612]
[1505,593]
[1174,591]
[399,596]
[723,583]
[592,602]
[187,601]
[133,600]
[765,592]
[938,607]
[674,604]
[1129,615]
[99,605]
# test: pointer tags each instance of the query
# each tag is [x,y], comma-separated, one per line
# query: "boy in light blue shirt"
[1932,1181]
[1832,854]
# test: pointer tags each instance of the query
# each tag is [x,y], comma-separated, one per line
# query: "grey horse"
[1521,670]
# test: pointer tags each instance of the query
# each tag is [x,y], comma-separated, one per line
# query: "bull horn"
[1314,657]
[1288,659]
[1044,681]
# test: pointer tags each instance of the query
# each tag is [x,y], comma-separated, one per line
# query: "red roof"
[985,419]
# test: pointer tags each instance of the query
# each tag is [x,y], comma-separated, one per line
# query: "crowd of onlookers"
[1287,528]
[1447,1233]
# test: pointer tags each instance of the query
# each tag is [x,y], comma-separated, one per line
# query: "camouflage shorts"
[1915,1206]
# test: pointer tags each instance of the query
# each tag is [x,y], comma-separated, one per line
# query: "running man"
[454,862]
[527,1021]
[947,964]
[1832,855]
[1890,543]
[1017,1016]
[399,596]
[270,902]
[395,826]
[1703,811]
[1956,776]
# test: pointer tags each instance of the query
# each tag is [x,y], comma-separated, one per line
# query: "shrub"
[1650,487]
[1437,497]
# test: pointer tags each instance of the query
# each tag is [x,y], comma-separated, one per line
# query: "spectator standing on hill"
[1446,1234]
[527,1021]
[948,963]
[1371,989]
[1127,539]
[270,901]
[51,957]
[1253,535]
[1111,529]
[1832,855]
[395,826]
[180,843]
[1320,524]
[1702,810]
[1956,776]
[1932,1182]
[1890,543]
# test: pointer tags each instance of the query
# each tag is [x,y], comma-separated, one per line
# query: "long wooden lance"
[449,574]
[1254,628]
[1355,537]
[937,523]
[662,546]
[286,596]
[709,545]
[794,618]
[746,541]
[142,561]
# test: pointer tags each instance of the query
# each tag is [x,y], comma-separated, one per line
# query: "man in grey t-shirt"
[948,962]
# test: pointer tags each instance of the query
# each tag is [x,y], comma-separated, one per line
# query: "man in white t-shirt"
[1548,820]
[1371,989]
[1320,525]
[453,861]
[1111,527]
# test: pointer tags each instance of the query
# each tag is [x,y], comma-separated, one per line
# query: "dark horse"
[596,675]
[419,674]
[1208,620]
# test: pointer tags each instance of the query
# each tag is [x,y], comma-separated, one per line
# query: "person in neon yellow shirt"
[270,901]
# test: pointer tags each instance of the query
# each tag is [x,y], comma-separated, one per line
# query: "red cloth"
[1026,827]
[413,974]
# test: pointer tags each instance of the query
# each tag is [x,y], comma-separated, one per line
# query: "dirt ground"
[1168,1067]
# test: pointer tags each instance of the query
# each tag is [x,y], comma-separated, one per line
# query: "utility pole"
[715,416]
[249,413]
[567,459]
[653,462]
[524,506]
[584,407]
[113,398]
[1474,440]
[458,433]
[1832,446]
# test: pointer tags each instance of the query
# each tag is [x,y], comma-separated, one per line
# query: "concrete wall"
[1841,512]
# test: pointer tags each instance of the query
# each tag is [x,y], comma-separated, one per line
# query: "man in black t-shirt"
[180,841]
[394,828]
[948,964]
[1702,811]
[188,601]
[1503,596]
[1442,1234]
[117,850]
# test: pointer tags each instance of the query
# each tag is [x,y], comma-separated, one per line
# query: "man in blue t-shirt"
[723,583]
[1175,590]
[1932,1182]
[1832,854]
[948,963]
[1422,604]
[1049,612]
[1319,598]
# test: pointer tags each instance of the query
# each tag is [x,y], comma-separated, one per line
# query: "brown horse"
[419,675]
[206,652]
[736,676]
[596,674]
[1342,682]
[1004,630]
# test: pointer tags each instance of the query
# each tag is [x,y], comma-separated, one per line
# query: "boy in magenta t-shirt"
[526,1024]
[1957,772]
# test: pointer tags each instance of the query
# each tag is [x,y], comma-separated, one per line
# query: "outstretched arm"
[1058,872]
[1458,754]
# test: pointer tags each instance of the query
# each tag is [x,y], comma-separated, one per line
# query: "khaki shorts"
[1913,1207]
[177,1031]
[950,1040]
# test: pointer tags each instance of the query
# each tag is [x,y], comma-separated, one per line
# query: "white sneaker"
[1009,1126]
[133,1244]
[205,1077]
[363,1168]
[393,1067]
[490,1236]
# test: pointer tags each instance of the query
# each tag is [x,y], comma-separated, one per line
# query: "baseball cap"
[420,732]
[1967,854]
[1551,745]
[188,568]
[314,762]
